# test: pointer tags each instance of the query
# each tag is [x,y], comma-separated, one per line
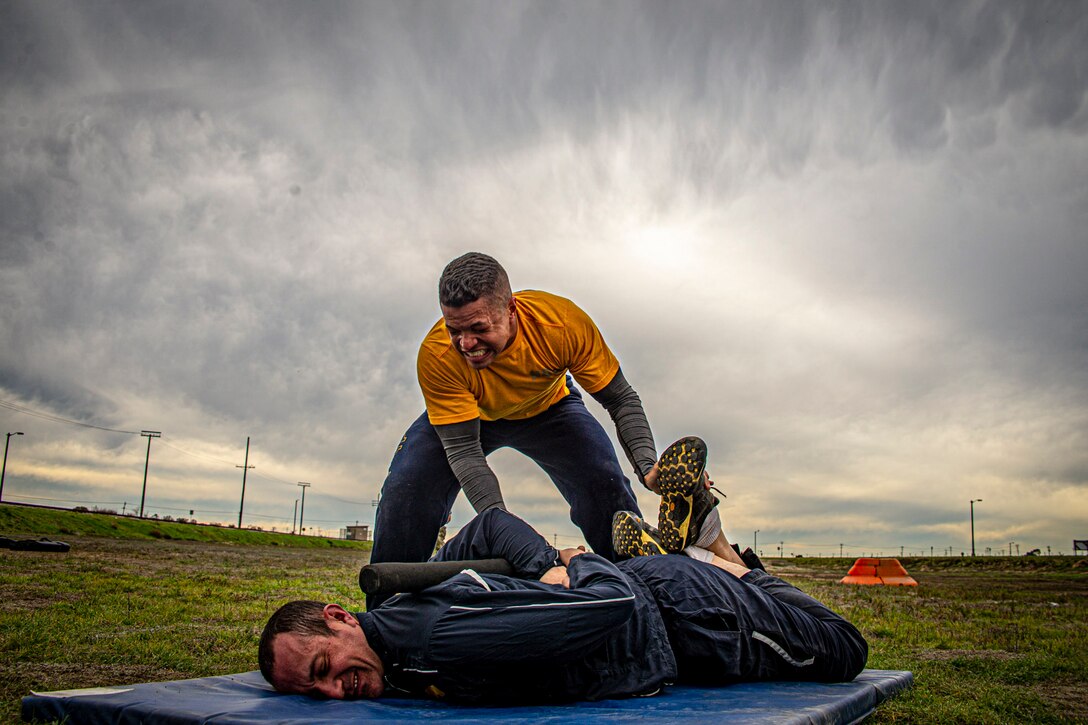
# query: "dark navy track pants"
[565,440]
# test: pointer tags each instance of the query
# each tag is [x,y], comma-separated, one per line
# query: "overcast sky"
[845,243]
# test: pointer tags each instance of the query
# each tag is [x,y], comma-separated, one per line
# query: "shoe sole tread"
[630,539]
[680,472]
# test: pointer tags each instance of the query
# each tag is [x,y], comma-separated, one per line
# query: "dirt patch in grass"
[31,600]
[1067,697]
[26,603]
[943,655]
[48,676]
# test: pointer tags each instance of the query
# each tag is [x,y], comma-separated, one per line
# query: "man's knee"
[417,464]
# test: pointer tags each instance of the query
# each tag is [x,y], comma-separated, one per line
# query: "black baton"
[396,577]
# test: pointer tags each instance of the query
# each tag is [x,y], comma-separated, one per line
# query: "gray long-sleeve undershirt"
[465,453]
[466,456]
[633,430]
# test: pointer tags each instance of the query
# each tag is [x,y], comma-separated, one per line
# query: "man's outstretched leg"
[631,536]
[686,500]
[688,517]
[766,628]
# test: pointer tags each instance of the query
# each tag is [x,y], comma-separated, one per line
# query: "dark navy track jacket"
[500,639]
[620,630]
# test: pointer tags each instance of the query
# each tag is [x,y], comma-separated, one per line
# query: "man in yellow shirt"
[495,372]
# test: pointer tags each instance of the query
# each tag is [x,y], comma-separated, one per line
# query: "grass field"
[990,640]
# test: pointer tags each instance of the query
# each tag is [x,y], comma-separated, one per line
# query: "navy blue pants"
[565,440]
[721,629]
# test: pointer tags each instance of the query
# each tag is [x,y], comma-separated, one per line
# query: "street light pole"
[973,502]
[4,470]
[149,434]
[302,513]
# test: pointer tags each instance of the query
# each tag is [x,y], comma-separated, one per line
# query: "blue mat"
[246,698]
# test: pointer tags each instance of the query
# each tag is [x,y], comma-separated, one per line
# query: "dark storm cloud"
[226,219]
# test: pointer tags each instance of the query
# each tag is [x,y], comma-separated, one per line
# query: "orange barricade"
[878,571]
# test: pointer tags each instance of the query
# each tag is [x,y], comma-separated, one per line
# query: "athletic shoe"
[631,536]
[685,498]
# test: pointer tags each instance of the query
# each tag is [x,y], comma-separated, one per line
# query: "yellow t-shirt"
[554,335]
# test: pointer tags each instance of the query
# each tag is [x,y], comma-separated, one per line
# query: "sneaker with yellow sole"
[685,496]
[631,536]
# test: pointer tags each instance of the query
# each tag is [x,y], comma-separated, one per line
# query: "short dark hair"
[302,617]
[471,277]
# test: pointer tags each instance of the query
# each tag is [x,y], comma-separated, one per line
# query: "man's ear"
[339,614]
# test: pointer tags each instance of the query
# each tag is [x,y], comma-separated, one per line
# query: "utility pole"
[755,542]
[149,434]
[294,517]
[302,513]
[840,551]
[4,470]
[245,469]
[973,502]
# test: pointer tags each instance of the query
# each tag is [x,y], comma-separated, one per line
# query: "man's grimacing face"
[341,666]
[481,329]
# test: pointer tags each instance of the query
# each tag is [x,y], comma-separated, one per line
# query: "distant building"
[356,533]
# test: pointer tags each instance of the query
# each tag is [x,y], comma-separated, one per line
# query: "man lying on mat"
[572,625]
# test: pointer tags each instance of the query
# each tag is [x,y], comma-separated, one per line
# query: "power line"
[260,474]
[57,419]
[162,439]
[273,478]
[72,500]
[195,455]
[342,500]
[277,517]
[225,463]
